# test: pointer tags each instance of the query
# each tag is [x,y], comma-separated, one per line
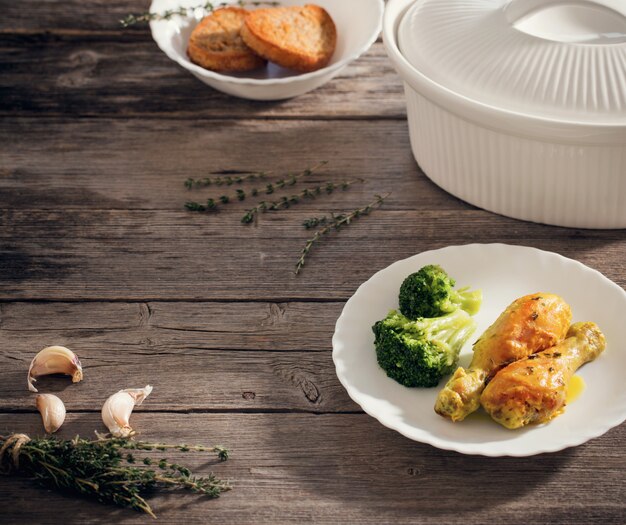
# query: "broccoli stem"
[451,330]
[435,325]
[469,301]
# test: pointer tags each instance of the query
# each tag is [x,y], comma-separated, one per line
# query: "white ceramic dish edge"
[529,179]
[425,437]
[492,117]
[262,89]
[560,173]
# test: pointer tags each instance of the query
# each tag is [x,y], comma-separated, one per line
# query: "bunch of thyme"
[207,7]
[287,201]
[334,222]
[240,194]
[105,469]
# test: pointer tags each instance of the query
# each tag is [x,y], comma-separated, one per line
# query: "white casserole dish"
[518,106]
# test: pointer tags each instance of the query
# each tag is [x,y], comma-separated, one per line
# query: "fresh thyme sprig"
[104,468]
[208,7]
[287,201]
[226,180]
[240,195]
[334,222]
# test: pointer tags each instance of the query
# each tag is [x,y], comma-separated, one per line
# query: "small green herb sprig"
[207,7]
[287,201]
[334,222]
[224,180]
[327,223]
[212,204]
[105,469]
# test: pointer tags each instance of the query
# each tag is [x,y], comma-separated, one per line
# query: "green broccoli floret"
[430,293]
[421,352]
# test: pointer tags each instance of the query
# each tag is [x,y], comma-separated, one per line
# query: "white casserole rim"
[488,115]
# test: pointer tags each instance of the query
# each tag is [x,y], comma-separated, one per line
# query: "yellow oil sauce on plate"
[575,387]
[479,415]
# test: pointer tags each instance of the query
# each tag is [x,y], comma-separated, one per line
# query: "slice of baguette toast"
[300,38]
[216,43]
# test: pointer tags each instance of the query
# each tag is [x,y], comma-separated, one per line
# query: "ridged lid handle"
[517,9]
[580,21]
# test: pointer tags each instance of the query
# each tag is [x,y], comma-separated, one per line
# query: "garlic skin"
[54,360]
[52,412]
[117,409]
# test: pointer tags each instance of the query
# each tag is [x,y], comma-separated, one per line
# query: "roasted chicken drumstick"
[534,389]
[530,324]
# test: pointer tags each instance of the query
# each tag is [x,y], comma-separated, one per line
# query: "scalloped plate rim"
[481,448]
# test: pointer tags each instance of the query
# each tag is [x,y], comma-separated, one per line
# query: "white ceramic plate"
[504,273]
[358,24]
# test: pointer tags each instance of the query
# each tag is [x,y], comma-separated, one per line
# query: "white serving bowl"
[358,25]
[518,106]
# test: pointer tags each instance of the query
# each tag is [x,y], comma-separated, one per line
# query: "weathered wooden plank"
[142,255]
[209,356]
[185,381]
[290,468]
[72,16]
[131,164]
[136,79]
[162,326]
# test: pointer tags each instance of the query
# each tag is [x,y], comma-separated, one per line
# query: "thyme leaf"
[240,194]
[334,222]
[287,201]
[207,7]
[228,180]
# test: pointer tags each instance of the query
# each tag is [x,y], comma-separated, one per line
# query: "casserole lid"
[557,59]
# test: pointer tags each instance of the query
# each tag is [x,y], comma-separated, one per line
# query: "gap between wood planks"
[190,117]
[146,410]
[290,299]
[49,35]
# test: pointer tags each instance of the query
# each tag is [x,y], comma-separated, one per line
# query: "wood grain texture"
[148,255]
[131,79]
[143,163]
[345,469]
[70,227]
[98,132]
[75,17]
[242,356]
[172,325]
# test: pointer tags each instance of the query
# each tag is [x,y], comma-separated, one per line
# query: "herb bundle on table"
[105,469]
[328,223]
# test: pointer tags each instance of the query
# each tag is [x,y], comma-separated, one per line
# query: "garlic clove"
[54,360]
[52,411]
[117,409]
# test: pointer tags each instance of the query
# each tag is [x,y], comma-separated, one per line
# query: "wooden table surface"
[98,132]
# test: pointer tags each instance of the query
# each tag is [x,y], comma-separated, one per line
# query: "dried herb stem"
[226,180]
[207,7]
[105,469]
[212,204]
[334,222]
[287,201]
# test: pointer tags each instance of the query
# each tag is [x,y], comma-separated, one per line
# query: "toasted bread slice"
[216,42]
[300,38]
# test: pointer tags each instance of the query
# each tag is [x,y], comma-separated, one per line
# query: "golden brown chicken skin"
[534,389]
[530,324]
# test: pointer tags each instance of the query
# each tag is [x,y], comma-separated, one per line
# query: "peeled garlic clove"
[54,360]
[52,412]
[117,409]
